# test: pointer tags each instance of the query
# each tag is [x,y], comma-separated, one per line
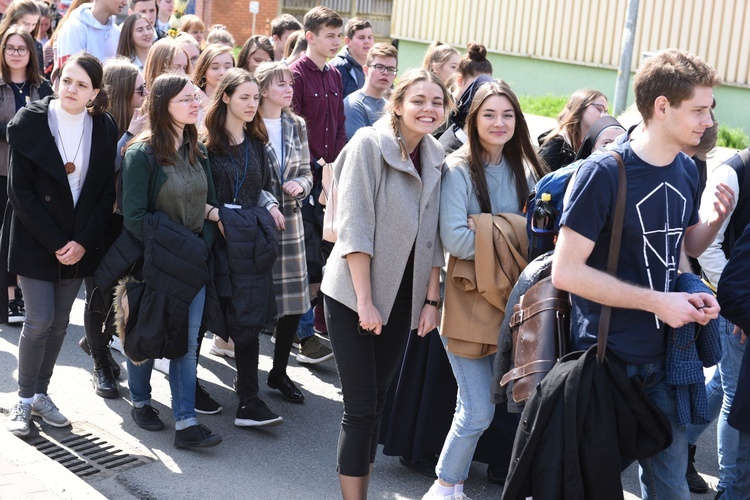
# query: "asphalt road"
[293,461]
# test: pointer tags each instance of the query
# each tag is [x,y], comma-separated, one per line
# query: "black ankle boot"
[104,382]
[695,482]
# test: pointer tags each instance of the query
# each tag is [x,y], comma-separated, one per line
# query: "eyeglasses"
[600,107]
[391,70]
[141,91]
[21,51]
[189,100]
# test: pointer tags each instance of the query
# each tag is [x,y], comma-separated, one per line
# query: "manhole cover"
[87,451]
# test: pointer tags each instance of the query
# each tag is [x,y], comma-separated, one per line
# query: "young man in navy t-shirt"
[673,92]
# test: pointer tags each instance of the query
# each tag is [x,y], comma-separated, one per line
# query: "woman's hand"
[429,319]
[138,122]
[292,188]
[471,224]
[369,317]
[278,218]
[70,254]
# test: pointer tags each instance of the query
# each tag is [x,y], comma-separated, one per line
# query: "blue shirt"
[661,203]
[361,110]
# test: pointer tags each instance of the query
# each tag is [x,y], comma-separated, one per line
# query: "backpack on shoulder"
[540,324]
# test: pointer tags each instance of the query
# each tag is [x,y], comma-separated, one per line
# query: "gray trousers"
[48,308]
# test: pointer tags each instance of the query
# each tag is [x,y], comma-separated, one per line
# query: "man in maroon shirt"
[318,98]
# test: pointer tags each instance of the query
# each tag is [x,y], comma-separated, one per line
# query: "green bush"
[734,138]
[547,105]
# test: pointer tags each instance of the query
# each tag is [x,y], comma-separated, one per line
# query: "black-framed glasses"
[391,70]
[141,89]
[10,50]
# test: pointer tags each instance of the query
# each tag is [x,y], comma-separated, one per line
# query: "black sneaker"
[204,403]
[147,417]
[255,413]
[196,436]
[16,313]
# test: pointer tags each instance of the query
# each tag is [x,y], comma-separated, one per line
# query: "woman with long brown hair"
[126,92]
[256,50]
[558,147]
[166,169]
[492,173]
[235,139]
[21,83]
[136,39]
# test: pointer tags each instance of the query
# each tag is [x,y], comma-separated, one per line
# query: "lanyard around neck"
[238,182]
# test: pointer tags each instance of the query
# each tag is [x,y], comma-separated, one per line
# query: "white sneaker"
[19,420]
[221,348]
[45,408]
[432,493]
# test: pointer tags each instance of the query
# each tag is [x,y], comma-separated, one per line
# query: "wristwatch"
[436,303]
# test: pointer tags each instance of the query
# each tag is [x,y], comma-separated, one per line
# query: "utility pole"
[626,57]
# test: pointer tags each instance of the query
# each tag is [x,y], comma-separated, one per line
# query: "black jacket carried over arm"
[733,294]
[174,271]
[576,426]
[240,300]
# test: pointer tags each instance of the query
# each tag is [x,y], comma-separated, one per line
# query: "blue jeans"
[474,413]
[720,390]
[305,328]
[740,488]
[663,475]
[182,373]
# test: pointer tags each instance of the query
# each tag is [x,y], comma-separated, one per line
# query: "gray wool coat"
[290,269]
[384,209]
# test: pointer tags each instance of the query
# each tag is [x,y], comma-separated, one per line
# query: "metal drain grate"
[88,452]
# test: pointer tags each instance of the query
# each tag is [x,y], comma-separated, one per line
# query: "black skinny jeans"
[367,365]
[98,334]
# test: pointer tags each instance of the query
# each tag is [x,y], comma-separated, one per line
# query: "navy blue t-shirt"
[661,203]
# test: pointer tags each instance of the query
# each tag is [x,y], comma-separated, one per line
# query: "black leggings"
[367,365]
[286,327]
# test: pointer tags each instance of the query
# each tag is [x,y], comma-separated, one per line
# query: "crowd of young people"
[162,141]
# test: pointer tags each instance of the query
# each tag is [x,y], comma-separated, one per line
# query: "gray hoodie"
[83,32]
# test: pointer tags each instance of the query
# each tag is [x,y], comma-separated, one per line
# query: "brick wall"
[235,15]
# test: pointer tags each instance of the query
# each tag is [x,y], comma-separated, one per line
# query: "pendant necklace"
[20,90]
[70,166]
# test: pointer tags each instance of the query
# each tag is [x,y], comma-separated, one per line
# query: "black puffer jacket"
[174,271]
[241,300]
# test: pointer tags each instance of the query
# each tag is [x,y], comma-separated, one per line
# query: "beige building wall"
[586,32]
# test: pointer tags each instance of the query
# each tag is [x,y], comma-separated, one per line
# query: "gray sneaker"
[19,420]
[313,351]
[45,408]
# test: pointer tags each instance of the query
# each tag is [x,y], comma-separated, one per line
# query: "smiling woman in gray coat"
[382,278]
